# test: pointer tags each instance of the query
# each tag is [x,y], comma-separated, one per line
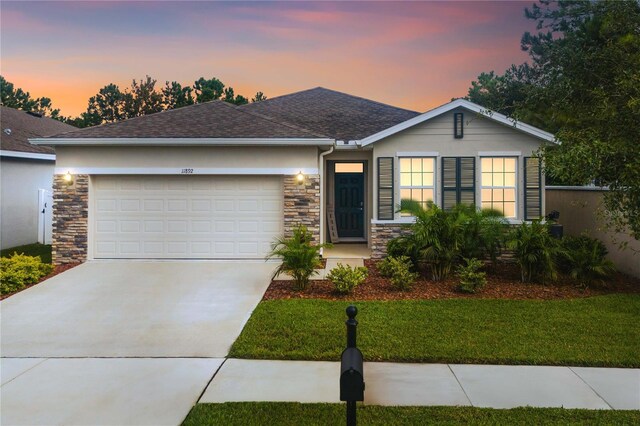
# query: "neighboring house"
[215,180]
[26,173]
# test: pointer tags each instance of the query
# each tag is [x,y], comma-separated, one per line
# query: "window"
[417,179]
[349,167]
[458,125]
[499,185]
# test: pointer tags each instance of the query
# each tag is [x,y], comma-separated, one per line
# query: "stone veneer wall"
[70,219]
[302,205]
[381,233]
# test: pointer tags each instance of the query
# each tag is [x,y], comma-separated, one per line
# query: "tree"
[143,98]
[584,83]
[208,90]
[107,106]
[176,96]
[19,99]
[259,97]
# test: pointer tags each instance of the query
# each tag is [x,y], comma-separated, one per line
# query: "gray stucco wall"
[481,135]
[21,179]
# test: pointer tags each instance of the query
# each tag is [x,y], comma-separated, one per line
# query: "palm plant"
[535,250]
[300,258]
[484,232]
[437,237]
[584,259]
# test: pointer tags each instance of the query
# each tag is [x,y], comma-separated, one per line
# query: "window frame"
[433,187]
[515,186]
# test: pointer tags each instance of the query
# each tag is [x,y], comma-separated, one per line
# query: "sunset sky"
[415,55]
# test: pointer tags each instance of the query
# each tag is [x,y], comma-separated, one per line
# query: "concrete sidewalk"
[495,386]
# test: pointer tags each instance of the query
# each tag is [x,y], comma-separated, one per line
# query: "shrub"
[535,251]
[398,269]
[402,246]
[471,278]
[584,259]
[346,278]
[299,256]
[388,264]
[20,270]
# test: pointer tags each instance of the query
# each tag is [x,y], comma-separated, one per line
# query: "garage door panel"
[185,216]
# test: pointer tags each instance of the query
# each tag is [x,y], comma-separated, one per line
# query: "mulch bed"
[56,270]
[502,283]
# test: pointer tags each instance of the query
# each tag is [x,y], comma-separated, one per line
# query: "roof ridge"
[341,93]
[273,120]
[366,99]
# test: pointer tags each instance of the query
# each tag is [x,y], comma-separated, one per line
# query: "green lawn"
[284,413]
[596,331]
[36,249]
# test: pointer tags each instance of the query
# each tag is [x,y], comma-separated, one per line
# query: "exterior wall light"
[300,177]
[68,177]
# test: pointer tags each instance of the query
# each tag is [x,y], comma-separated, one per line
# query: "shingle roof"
[335,114]
[18,126]
[215,119]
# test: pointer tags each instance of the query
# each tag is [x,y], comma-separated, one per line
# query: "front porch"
[347,251]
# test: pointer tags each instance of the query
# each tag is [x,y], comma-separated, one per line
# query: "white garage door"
[182,217]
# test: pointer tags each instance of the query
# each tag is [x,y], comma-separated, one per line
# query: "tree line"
[113,104]
[582,83]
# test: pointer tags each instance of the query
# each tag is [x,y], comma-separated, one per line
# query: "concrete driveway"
[126,343]
[134,309]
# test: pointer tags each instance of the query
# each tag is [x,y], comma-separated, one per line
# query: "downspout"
[322,189]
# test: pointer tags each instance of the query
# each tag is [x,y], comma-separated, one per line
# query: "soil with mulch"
[56,270]
[503,282]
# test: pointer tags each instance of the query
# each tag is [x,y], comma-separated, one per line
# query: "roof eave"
[28,155]
[182,141]
[461,103]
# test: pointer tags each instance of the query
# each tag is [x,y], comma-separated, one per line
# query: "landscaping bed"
[503,282]
[291,413]
[596,331]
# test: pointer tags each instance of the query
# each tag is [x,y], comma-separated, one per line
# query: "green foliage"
[20,270]
[323,414]
[535,250]
[300,257]
[582,82]
[441,238]
[387,265]
[259,97]
[176,96]
[345,278]
[470,276]
[402,246]
[35,249]
[399,270]
[19,99]
[585,259]
[462,330]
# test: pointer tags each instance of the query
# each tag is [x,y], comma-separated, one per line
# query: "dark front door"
[349,207]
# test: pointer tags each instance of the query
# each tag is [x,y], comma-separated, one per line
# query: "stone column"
[381,233]
[70,219]
[302,205]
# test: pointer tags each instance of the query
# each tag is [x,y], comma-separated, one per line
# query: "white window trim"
[515,187]
[435,175]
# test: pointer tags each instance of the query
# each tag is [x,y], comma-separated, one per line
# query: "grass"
[597,331]
[36,249]
[286,413]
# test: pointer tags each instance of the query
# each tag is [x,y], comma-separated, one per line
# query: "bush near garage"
[19,271]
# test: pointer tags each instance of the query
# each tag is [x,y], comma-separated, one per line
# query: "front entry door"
[349,204]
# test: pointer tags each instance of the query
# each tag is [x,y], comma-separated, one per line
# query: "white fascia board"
[183,141]
[461,103]
[28,155]
[184,171]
